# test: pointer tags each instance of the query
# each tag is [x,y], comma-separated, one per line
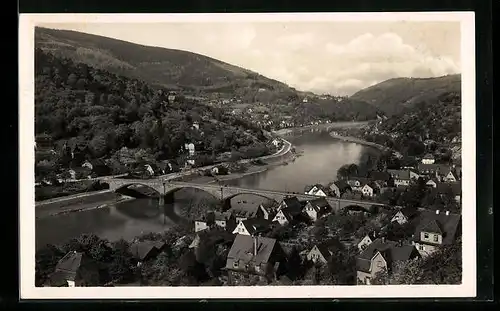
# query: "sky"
[337,58]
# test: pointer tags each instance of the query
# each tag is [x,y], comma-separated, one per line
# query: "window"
[426,235]
[235,264]
[367,280]
[421,247]
[436,237]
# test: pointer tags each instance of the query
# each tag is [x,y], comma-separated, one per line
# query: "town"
[296,242]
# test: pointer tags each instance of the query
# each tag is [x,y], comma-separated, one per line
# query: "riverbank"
[323,126]
[358,141]
[77,204]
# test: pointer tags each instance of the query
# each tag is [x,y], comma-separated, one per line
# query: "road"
[285,148]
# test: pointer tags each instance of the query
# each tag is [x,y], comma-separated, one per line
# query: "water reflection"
[322,157]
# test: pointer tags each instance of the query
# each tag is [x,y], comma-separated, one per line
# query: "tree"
[121,266]
[46,260]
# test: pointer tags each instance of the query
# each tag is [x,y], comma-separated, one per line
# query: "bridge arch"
[170,191]
[146,185]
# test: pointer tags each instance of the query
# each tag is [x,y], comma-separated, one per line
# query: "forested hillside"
[169,68]
[394,95]
[425,127]
[81,105]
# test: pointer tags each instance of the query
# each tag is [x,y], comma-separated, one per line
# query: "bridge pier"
[161,200]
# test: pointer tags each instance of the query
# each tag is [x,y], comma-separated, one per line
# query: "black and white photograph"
[247,155]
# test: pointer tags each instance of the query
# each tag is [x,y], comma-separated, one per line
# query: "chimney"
[383,239]
[437,212]
[447,213]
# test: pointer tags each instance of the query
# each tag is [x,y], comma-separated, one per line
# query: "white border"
[26,151]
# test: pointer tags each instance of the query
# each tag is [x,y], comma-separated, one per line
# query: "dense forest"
[436,121]
[394,95]
[78,105]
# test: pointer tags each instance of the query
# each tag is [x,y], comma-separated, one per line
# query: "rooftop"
[243,249]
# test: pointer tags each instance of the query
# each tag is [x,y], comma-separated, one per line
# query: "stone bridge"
[226,193]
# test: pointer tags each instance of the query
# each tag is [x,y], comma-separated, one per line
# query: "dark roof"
[399,174]
[244,209]
[456,188]
[409,212]
[68,266]
[378,175]
[362,180]
[433,167]
[257,225]
[432,226]
[293,204]
[221,216]
[448,224]
[141,249]
[269,204]
[320,204]
[390,250]
[243,249]
[428,156]
[342,185]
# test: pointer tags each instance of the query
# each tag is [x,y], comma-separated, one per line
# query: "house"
[253,226]
[242,210]
[432,182]
[355,210]
[454,189]
[318,190]
[403,177]
[255,255]
[98,167]
[321,253]
[290,202]
[433,170]
[165,167]
[269,209]
[338,188]
[367,240]
[317,208]
[382,255]
[435,229]
[203,224]
[384,179]
[190,148]
[370,189]
[404,215]
[288,210]
[276,142]
[196,126]
[224,220]
[450,175]
[428,159]
[357,183]
[146,250]
[75,269]
[79,173]
[171,97]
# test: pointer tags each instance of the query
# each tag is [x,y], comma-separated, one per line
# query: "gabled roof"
[68,266]
[400,174]
[141,249]
[409,212]
[292,203]
[269,204]
[221,216]
[390,250]
[441,168]
[244,209]
[428,157]
[342,185]
[448,224]
[378,175]
[455,187]
[320,204]
[362,180]
[257,225]
[432,226]
[243,249]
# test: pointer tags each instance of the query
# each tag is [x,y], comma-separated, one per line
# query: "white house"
[196,125]
[190,148]
[367,190]
[276,142]
[282,217]
[87,164]
[367,240]
[432,183]
[403,216]
[252,226]
[428,159]
[317,190]
[450,176]
[317,208]
[149,169]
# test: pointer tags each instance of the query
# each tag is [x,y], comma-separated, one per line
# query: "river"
[321,156]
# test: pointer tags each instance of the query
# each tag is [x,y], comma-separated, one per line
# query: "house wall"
[240,229]
[401,182]
[367,191]
[364,243]
[432,237]
[312,214]
[315,256]
[425,249]
[378,264]
[221,223]
[428,161]
[200,225]
[320,193]
[280,217]
[399,218]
